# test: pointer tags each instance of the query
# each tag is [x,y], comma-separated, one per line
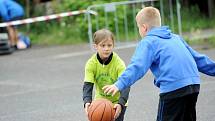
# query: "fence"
[119,17]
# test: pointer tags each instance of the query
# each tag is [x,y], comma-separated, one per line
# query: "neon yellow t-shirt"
[102,75]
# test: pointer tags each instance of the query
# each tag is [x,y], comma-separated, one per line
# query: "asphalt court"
[45,84]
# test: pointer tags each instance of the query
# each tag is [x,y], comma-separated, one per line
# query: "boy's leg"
[11,35]
[190,114]
[121,116]
[178,109]
[171,109]
[16,39]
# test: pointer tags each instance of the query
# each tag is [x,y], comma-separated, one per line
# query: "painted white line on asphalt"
[41,89]
[126,46]
[74,54]
[51,111]
[67,55]
[26,87]
[11,83]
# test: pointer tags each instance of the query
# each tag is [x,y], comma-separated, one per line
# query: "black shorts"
[179,105]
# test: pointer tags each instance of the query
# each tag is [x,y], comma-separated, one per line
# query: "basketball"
[101,110]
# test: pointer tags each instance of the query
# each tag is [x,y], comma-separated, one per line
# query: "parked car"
[5,47]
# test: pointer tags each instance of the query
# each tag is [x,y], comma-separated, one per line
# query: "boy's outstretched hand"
[110,89]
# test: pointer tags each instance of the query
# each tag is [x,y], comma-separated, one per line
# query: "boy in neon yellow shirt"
[103,68]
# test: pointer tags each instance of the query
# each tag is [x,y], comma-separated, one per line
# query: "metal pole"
[162,12]
[90,29]
[135,25]
[97,22]
[179,17]
[210,8]
[27,13]
[171,15]
[126,23]
[116,25]
[106,19]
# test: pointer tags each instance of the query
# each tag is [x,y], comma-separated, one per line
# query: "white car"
[5,47]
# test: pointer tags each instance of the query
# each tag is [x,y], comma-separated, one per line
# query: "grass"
[55,38]
[54,34]
[210,42]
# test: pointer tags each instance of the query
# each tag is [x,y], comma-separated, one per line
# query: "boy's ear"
[144,27]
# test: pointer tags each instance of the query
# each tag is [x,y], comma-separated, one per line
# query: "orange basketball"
[101,110]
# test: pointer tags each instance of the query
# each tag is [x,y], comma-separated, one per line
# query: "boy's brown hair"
[102,34]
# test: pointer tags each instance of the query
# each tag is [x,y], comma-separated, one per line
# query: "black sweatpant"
[178,108]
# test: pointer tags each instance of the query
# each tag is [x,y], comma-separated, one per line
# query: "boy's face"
[104,48]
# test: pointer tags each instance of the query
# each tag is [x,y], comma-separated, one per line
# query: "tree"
[205,7]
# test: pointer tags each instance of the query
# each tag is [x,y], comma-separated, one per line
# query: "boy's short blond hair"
[149,16]
[102,34]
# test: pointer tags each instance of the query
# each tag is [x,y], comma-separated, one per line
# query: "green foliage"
[58,34]
[211,41]
[74,29]
[192,19]
[75,26]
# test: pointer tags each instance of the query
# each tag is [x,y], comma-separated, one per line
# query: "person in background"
[10,10]
[174,64]
[103,68]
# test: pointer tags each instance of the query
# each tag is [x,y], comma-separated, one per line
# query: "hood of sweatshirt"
[162,32]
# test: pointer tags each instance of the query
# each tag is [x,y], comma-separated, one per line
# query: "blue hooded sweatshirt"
[9,10]
[173,63]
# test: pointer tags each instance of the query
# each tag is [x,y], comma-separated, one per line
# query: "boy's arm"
[140,63]
[88,82]
[203,62]
[124,94]
[87,92]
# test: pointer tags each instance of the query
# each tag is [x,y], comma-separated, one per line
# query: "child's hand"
[108,89]
[87,105]
[118,110]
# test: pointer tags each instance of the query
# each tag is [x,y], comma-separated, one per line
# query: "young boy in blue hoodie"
[174,64]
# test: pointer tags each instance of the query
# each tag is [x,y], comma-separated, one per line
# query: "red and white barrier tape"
[45,18]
